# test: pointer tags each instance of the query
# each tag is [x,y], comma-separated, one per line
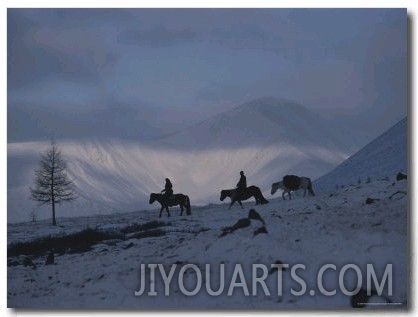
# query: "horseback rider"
[242,184]
[168,188]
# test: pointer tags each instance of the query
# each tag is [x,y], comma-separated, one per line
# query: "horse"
[252,191]
[173,200]
[304,183]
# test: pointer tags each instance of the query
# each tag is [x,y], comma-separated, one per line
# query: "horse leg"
[181,209]
[304,192]
[284,198]
[232,202]
[242,207]
[187,205]
[161,211]
[168,211]
[310,189]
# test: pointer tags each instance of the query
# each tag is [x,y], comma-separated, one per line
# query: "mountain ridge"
[266,119]
[119,174]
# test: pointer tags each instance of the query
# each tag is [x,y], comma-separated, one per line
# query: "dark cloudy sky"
[78,72]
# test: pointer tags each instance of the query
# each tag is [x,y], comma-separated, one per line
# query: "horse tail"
[310,189]
[261,197]
[264,201]
[188,208]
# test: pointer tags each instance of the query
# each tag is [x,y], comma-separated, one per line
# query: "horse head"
[276,186]
[224,194]
[152,198]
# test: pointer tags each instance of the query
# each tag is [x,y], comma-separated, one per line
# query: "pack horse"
[291,183]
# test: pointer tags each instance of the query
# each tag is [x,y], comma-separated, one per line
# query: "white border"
[409,4]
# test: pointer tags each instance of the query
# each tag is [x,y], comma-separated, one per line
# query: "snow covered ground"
[334,227]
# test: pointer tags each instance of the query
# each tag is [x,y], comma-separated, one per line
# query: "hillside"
[385,156]
[267,138]
[98,259]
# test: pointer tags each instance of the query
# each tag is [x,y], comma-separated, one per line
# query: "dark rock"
[130,245]
[260,230]
[242,223]
[255,215]
[401,176]
[370,201]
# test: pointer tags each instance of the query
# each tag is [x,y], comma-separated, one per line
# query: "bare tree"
[53,186]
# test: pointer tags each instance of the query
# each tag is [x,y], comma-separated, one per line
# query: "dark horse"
[174,200]
[252,191]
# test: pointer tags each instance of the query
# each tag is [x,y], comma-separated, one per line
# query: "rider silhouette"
[168,188]
[242,184]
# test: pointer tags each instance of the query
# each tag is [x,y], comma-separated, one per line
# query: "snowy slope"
[331,228]
[267,138]
[384,157]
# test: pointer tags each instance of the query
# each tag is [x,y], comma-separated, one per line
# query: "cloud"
[37,52]
[324,84]
[201,59]
[156,37]
[113,119]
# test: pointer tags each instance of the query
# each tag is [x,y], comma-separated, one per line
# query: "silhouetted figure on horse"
[242,192]
[242,184]
[167,199]
[168,188]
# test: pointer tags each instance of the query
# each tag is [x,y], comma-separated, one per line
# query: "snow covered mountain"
[385,156]
[264,121]
[267,138]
